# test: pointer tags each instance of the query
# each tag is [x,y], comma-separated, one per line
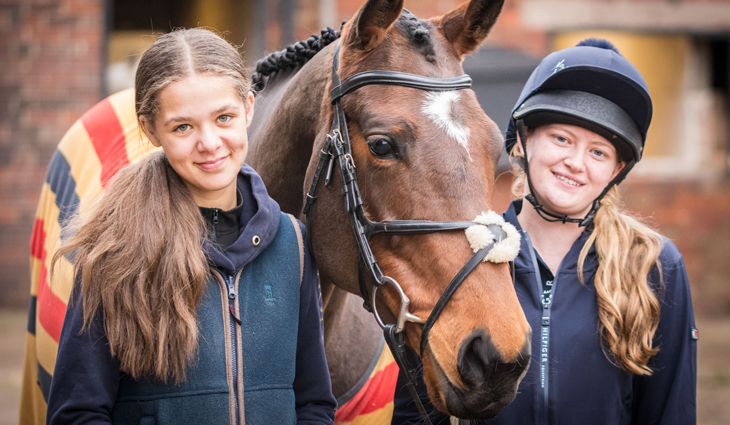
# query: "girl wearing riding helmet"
[607,297]
[196,300]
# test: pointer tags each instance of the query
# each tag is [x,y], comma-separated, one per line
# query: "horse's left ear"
[466,26]
[372,22]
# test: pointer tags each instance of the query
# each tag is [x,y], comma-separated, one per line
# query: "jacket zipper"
[231,285]
[212,235]
[234,354]
[544,404]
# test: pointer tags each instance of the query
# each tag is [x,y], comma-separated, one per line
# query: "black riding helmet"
[591,86]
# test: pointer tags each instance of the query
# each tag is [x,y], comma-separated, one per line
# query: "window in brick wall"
[135,23]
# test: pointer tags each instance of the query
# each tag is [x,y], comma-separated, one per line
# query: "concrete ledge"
[561,15]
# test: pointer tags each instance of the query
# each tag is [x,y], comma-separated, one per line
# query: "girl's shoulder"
[674,280]
[670,257]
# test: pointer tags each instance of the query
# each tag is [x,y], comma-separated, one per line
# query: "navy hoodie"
[582,386]
[86,377]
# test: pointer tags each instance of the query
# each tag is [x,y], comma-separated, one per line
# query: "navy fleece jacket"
[581,385]
[86,376]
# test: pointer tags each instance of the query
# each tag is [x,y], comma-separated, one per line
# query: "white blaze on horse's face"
[442,109]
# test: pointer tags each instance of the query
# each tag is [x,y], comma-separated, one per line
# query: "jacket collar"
[571,258]
[260,216]
[223,225]
[510,216]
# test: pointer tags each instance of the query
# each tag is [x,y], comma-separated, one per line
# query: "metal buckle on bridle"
[334,138]
[350,163]
[404,315]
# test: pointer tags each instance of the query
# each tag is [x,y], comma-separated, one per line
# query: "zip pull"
[215,216]
[233,314]
[231,299]
[231,288]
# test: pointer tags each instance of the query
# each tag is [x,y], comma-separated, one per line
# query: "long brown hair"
[138,250]
[627,250]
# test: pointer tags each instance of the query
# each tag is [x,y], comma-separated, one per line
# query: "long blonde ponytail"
[628,307]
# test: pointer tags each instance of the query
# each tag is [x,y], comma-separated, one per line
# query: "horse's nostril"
[491,382]
[478,358]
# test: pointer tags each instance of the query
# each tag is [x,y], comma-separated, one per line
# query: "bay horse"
[418,154]
[422,155]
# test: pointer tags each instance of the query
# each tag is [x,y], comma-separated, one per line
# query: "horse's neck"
[351,338]
[287,119]
[290,115]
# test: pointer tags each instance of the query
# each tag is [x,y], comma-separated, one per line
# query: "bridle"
[337,151]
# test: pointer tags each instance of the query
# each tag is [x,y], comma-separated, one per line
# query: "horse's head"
[428,155]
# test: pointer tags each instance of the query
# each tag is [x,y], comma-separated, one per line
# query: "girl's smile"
[212,164]
[567,180]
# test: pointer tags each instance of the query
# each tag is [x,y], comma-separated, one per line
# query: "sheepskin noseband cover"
[479,236]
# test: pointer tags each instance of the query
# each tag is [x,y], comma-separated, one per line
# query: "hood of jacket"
[260,217]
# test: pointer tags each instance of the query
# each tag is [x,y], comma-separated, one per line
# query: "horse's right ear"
[371,23]
[467,25]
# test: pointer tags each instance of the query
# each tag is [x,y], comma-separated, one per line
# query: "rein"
[337,152]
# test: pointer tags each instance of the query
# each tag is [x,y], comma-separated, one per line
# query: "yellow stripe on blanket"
[373,404]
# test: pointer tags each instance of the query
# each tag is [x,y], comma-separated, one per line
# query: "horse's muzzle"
[491,382]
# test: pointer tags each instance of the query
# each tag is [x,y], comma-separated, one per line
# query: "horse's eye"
[381,148]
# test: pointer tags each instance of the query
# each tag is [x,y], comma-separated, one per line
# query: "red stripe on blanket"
[51,310]
[374,395]
[36,239]
[107,136]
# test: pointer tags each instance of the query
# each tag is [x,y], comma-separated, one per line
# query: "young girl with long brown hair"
[196,299]
[608,300]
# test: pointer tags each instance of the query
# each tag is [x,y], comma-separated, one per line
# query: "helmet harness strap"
[586,221]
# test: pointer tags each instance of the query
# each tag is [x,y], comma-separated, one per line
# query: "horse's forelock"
[419,32]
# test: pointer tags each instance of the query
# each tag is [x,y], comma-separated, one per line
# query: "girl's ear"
[518,146]
[620,166]
[147,128]
[248,103]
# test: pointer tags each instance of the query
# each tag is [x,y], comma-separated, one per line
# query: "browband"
[395,78]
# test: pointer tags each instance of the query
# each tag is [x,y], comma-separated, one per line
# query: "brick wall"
[50,74]
[696,217]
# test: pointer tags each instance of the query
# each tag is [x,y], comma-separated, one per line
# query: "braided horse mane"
[293,56]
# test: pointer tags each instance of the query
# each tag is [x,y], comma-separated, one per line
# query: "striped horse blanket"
[103,141]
